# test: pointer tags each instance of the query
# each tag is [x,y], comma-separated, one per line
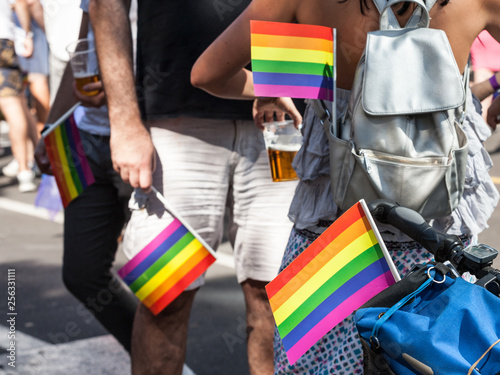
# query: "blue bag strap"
[475,364]
[431,273]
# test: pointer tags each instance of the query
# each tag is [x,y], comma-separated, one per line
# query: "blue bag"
[445,326]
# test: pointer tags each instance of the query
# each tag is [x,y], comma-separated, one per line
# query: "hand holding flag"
[67,157]
[165,267]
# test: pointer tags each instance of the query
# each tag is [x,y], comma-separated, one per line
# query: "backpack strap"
[322,111]
[419,18]
[466,82]
[381,4]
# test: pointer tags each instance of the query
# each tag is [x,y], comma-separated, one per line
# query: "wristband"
[494,83]
[28,34]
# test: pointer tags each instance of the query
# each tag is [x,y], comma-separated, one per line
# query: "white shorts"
[202,167]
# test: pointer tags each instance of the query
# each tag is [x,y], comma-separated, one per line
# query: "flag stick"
[55,124]
[334,102]
[172,212]
[394,271]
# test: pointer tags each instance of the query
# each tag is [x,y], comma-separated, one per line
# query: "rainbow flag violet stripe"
[67,158]
[294,60]
[166,266]
[340,271]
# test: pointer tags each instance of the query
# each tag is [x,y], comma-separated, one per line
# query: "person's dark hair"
[363,4]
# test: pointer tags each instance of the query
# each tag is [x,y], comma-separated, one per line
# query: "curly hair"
[364,4]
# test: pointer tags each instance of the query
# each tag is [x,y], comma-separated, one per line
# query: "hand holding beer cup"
[83,60]
[266,109]
[283,141]
[97,100]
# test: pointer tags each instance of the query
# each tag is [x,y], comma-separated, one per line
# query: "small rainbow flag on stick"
[168,264]
[67,158]
[293,60]
[341,270]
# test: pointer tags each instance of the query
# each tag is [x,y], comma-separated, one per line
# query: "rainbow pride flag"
[293,60]
[166,266]
[341,270]
[67,157]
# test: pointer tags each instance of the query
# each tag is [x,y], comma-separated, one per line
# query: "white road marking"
[26,342]
[93,356]
[30,210]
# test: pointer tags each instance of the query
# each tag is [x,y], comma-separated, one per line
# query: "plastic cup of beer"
[283,141]
[83,60]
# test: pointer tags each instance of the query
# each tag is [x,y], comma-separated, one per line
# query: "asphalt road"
[53,338]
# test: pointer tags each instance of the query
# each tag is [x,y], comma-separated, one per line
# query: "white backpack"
[400,137]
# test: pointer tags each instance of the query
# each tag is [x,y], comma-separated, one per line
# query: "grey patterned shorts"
[339,352]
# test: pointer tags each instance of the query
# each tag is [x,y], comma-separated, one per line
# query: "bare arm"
[132,150]
[220,70]
[36,11]
[484,89]
[23,14]
[24,17]
[493,114]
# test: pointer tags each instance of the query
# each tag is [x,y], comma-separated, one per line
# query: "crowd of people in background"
[17,56]
[155,122]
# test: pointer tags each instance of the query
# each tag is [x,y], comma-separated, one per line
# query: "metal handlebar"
[444,247]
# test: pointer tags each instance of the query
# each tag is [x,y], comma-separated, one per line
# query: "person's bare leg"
[260,328]
[33,135]
[159,342]
[39,88]
[12,109]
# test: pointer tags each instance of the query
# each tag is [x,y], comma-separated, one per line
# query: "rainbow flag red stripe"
[340,271]
[67,158]
[166,266]
[294,60]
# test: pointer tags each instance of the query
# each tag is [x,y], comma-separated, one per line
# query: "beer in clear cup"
[84,65]
[84,80]
[283,141]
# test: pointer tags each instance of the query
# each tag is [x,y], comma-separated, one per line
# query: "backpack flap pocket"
[432,186]
[400,178]
[410,71]
[373,175]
